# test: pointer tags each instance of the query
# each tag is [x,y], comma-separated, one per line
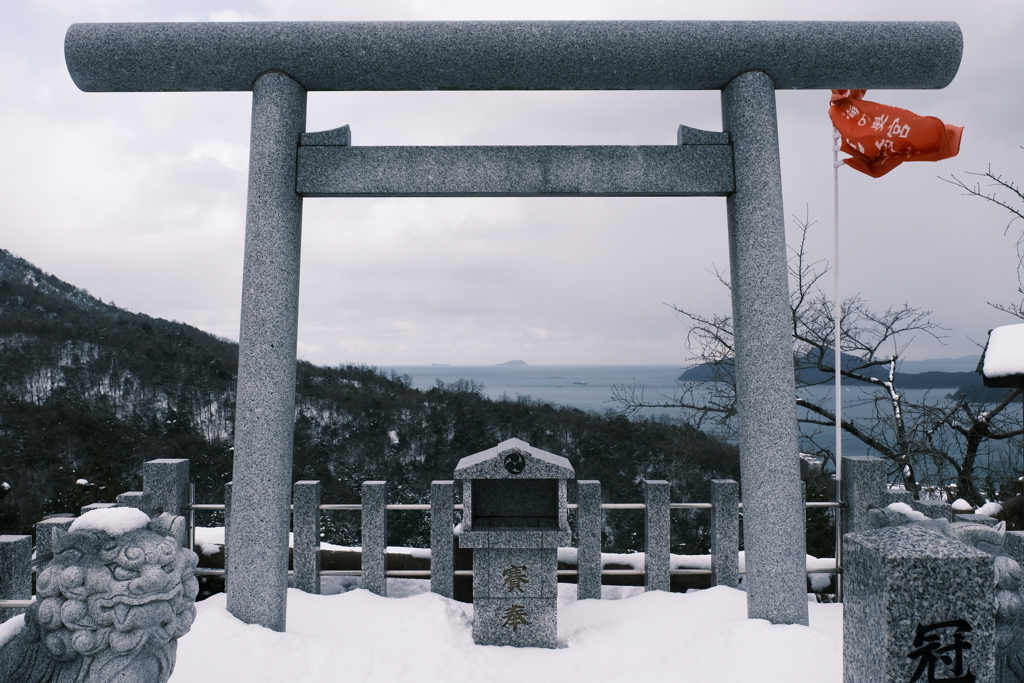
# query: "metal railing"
[425,507]
[425,574]
[17,604]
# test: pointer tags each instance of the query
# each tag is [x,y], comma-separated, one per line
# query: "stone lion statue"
[1009,599]
[110,605]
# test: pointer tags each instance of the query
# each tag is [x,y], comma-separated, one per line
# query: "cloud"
[231,15]
[140,198]
[232,156]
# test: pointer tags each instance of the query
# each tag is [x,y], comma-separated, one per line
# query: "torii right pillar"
[773,506]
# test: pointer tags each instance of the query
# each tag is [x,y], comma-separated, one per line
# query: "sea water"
[587,387]
[590,387]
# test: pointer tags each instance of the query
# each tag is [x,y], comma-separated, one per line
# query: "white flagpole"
[837,315]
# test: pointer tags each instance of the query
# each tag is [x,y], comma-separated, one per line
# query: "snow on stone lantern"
[1002,362]
[514,518]
[1002,366]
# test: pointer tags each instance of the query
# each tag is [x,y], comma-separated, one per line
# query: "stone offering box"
[514,518]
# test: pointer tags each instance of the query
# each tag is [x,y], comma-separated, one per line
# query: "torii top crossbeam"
[281,62]
[512,55]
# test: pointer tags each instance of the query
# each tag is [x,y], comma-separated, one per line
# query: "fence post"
[166,482]
[863,488]
[725,532]
[375,537]
[97,506]
[803,519]
[227,526]
[136,499]
[44,534]
[442,539]
[15,572]
[589,525]
[656,536]
[306,528]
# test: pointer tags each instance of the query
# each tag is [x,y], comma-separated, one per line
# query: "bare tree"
[937,434]
[993,184]
[972,423]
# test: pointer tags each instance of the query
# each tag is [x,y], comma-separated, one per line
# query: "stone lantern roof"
[1002,361]
[514,459]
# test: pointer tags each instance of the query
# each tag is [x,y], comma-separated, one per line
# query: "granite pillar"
[139,500]
[589,526]
[442,539]
[375,537]
[933,509]
[45,534]
[306,536]
[97,506]
[765,386]
[918,606]
[265,410]
[803,517]
[725,532]
[863,489]
[166,481]
[657,532]
[15,572]
[227,528]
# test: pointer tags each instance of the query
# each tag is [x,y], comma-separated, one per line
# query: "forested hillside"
[88,392]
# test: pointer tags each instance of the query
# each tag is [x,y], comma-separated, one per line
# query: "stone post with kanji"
[920,606]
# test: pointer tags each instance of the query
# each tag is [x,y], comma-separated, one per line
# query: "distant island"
[967,384]
[441,365]
[516,363]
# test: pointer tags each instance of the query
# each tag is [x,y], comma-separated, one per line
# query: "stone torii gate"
[281,62]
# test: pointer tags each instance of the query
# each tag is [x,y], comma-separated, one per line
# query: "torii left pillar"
[265,413]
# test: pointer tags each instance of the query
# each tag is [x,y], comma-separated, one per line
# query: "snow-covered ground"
[416,636]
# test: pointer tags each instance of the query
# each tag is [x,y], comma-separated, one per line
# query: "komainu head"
[112,603]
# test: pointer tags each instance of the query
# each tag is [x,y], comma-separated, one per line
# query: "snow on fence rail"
[166,487]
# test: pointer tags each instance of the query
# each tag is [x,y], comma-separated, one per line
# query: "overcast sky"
[140,198]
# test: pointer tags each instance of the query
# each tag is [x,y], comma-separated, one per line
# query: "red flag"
[879,137]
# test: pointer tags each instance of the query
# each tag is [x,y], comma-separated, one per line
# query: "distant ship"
[582,384]
[556,377]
